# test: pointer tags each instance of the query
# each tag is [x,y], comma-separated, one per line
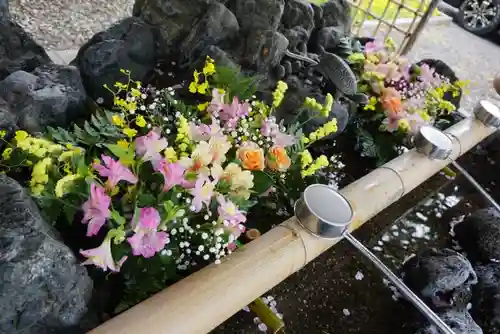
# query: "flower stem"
[267,315]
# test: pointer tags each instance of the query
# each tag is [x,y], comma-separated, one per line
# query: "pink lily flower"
[228,211]
[173,174]
[150,146]
[391,122]
[96,210]
[101,257]
[147,241]
[375,46]
[231,113]
[202,192]
[114,171]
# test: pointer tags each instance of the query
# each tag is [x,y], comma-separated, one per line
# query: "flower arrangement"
[163,185]
[402,97]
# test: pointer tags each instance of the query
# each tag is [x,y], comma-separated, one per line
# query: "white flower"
[204,236]
[206,257]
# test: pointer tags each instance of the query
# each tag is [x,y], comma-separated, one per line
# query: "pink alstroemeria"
[426,74]
[217,101]
[101,257]
[114,171]
[391,123]
[204,132]
[147,240]
[96,210]
[150,146]
[173,174]
[231,113]
[269,128]
[228,211]
[202,193]
[375,46]
[415,121]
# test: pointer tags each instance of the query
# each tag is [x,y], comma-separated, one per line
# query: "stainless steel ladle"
[438,145]
[326,213]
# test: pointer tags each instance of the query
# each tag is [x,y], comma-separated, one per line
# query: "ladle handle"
[405,291]
[475,184]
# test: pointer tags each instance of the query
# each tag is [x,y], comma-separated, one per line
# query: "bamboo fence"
[208,297]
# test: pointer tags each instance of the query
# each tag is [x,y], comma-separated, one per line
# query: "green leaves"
[119,219]
[98,130]
[262,181]
[125,154]
[235,83]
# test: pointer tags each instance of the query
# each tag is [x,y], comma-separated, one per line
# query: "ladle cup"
[326,213]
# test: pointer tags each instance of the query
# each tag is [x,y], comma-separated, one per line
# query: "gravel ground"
[67,24]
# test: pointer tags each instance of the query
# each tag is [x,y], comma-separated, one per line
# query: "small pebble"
[359,276]
[346,312]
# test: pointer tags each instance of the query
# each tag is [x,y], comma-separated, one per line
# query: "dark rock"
[218,24]
[288,67]
[7,122]
[296,37]
[128,45]
[329,38]
[460,321]
[280,72]
[479,235]
[338,73]
[53,95]
[18,51]
[44,289]
[298,13]
[4,9]
[486,298]
[265,49]
[440,277]
[174,19]
[318,15]
[221,57]
[258,15]
[337,13]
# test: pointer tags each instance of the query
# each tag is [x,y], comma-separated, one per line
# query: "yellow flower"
[41,166]
[279,93]
[403,125]
[67,155]
[6,153]
[371,103]
[3,133]
[193,86]
[63,184]
[209,68]
[241,181]
[327,108]
[118,120]
[131,133]
[69,146]
[202,88]
[21,135]
[203,106]
[37,189]
[123,143]
[305,158]
[140,121]
[170,154]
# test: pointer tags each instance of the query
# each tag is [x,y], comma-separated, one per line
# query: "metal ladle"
[327,214]
[438,145]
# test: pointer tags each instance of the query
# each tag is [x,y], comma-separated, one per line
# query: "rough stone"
[218,24]
[329,38]
[173,18]
[440,277]
[129,45]
[18,51]
[460,321]
[258,15]
[53,95]
[221,57]
[479,235]
[44,289]
[337,13]
[4,9]
[296,36]
[486,298]
[7,122]
[298,13]
[264,50]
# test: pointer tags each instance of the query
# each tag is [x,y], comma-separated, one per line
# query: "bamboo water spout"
[208,297]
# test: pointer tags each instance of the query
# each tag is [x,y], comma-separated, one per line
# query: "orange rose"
[278,159]
[391,100]
[251,156]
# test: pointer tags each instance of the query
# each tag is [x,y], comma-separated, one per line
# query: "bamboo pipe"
[202,301]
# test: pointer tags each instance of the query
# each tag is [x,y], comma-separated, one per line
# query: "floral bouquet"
[162,185]
[402,97]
